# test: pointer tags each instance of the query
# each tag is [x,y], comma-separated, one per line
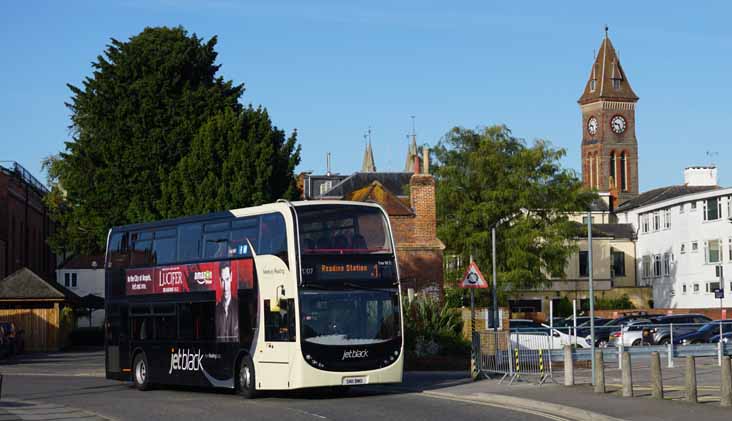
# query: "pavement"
[72,386]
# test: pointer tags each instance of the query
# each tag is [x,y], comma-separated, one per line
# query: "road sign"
[473,278]
[718,293]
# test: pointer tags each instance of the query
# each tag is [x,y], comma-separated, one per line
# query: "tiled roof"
[85,262]
[662,193]
[378,193]
[605,69]
[395,182]
[26,285]
[607,231]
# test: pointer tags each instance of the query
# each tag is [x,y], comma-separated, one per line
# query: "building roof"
[661,194]
[616,231]
[605,69]
[395,182]
[85,262]
[378,193]
[24,284]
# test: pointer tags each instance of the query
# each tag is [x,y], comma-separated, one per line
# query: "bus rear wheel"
[140,372]
[247,380]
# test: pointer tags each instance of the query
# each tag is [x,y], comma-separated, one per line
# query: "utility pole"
[592,290]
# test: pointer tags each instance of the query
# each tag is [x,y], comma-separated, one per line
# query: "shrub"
[433,329]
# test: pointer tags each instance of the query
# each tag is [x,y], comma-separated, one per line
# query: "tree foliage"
[153,104]
[486,176]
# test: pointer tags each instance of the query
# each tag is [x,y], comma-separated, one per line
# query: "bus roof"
[253,210]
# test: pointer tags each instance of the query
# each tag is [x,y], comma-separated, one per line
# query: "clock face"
[617,124]
[592,126]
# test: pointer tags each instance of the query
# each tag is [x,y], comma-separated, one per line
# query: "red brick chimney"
[422,191]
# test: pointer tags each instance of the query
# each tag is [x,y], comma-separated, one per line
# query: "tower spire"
[412,150]
[368,164]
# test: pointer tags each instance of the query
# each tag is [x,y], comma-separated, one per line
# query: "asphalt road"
[72,386]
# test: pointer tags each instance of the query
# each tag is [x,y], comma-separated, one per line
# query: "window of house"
[694,246]
[583,264]
[667,218]
[70,279]
[693,206]
[712,209]
[696,288]
[585,220]
[645,223]
[646,266]
[656,221]
[683,289]
[683,248]
[618,268]
[681,208]
[666,264]
[711,286]
[657,266]
[712,251]
[729,249]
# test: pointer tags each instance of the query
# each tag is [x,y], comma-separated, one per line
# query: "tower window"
[592,85]
[612,169]
[624,171]
[616,83]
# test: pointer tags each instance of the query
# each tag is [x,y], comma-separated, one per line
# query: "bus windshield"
[349,317]
[329,229]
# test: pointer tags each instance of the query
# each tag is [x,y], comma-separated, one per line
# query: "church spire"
[368,164]
[607,78]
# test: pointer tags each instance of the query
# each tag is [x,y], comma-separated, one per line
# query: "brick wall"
[418,249]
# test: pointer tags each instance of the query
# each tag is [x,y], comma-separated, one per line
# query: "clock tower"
[609,145]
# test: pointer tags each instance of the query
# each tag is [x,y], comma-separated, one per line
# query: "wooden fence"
[41,326]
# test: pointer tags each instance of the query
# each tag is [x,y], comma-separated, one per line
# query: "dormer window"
[616,83]
[592,85]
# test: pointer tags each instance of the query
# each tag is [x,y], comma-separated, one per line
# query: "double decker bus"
[273,297]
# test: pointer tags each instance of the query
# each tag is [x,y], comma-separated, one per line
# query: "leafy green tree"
[235,160]
[134,121]
[486,176]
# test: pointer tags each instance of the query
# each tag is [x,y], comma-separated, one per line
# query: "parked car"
[14,340]
[526,325]
[602,333]
[682,324]
[727,337]
[635,333]
[704,333]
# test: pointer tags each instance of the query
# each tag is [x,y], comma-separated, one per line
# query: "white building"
[683,233]
[84,275]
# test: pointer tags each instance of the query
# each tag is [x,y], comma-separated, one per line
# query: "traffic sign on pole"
[473,278]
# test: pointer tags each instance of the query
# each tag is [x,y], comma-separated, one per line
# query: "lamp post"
[592,291]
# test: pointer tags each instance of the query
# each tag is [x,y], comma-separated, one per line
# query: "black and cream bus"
[273,297]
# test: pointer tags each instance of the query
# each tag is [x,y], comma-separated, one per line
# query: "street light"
[496,315]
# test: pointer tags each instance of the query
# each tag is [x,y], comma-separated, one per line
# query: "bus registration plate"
[351,381]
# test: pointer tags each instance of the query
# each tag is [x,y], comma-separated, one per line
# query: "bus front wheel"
[141,372]
[247,380]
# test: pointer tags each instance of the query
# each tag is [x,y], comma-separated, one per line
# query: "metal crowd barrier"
[514,355]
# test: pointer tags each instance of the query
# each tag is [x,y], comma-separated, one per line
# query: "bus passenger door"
[276,341]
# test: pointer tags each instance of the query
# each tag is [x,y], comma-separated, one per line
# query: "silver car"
[634,333]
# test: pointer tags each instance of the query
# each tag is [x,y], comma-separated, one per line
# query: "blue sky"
[332,69]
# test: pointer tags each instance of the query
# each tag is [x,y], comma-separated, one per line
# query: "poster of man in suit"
[227,308]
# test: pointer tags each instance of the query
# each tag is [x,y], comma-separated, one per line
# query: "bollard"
[599,372]
[627,375]
[690,379]
[725,398]
[568,366]
[656,379]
